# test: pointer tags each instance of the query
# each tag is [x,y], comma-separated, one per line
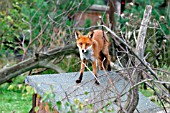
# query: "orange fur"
[93,47]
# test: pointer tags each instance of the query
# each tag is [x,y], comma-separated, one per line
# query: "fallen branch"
[39,60]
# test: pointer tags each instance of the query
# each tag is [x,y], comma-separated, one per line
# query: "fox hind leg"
[106,62]
[100,59]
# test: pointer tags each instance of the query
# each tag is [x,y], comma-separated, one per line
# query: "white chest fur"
[88,55]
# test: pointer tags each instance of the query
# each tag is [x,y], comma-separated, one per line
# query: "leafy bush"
[29,25]
[158,32]
[16,96]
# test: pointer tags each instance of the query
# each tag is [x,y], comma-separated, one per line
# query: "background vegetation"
[31,26]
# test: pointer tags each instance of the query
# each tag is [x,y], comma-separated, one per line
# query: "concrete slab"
[65,89]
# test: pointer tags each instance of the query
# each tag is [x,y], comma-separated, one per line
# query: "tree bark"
[99,7]
[112,5]
[133,96]
[112,25]
[39,60]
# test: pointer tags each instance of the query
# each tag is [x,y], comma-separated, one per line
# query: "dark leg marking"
[97,83]
[109,67]
[80,78]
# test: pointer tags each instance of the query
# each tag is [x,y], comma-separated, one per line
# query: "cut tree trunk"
[133,96]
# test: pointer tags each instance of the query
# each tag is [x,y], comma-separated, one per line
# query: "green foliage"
[59,105]
[87,23]
[157,41]
[27,18]
[74,106]
[15,97]
[11,20]
[153,97]
[162,74]
[48,71]
[70,64]
[148,93]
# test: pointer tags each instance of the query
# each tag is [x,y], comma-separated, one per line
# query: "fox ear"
[77,34]
[90,34]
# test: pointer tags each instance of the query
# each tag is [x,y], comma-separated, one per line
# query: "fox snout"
[84,51]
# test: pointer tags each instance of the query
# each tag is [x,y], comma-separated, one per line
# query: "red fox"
[93,47]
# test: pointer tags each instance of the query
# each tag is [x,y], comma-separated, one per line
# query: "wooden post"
[33,103]
[112,25]
[142,33]
[43,107]
[112,5]
[133,96]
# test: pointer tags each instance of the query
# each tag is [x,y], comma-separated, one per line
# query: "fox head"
[84,42]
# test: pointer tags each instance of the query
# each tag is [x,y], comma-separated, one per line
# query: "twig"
[38,36]
[158,97]
[91,72]
[117,93]
[164,71]
[142,61]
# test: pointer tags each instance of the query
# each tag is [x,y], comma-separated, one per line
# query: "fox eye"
[80,43]
[87,44]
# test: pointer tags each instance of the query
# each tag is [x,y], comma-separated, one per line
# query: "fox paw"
[109,68]
[78,81]
[97,83]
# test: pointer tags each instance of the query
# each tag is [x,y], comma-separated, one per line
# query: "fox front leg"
[95,72]
[81,71]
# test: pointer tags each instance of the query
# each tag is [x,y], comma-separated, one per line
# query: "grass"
[147,93]
[15,97]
